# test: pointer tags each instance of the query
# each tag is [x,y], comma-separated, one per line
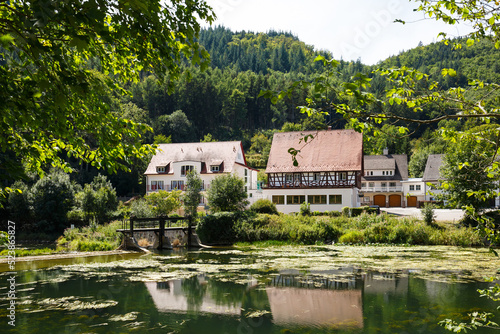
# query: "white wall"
[349,198]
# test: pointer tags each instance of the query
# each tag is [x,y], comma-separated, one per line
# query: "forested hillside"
[223,103]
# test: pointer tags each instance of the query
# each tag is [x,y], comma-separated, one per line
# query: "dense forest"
[223,103]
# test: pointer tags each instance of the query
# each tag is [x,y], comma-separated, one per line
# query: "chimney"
[386,151]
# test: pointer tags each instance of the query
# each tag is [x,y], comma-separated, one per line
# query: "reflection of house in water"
[316,307]
[325,299]
[332,298]
[385,283]
[171,297]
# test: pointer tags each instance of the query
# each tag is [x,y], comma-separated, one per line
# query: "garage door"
[379,200]
[412,201]
[394,200]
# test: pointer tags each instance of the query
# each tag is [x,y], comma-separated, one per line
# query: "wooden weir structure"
[158,226]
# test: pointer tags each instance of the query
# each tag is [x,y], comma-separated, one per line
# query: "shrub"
[334,213]
[428,214]
[218,228]
[346,211]
[227,193]
[378,233]
[140,209]
[264,206]
[352,237]
[305,209]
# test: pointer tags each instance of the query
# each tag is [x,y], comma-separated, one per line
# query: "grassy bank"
[91,238]
[84,239]
[364,229]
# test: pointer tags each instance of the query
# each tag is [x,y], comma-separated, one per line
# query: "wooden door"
[412,201]
[394,200]
[379,200]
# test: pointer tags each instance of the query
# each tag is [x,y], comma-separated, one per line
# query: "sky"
[349,29]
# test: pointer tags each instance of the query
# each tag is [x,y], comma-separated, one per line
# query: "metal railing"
[382,189]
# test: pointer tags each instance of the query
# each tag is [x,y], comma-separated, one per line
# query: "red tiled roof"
[331,150]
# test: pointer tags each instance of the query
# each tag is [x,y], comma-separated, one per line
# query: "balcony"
[152,188]
[382,189]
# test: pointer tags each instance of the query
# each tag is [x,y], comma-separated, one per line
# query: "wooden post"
[162,232]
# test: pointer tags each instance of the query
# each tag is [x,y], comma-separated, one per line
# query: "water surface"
[272,290]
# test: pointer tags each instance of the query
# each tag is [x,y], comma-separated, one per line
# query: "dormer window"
[186,169]
[215,168]
[160,169]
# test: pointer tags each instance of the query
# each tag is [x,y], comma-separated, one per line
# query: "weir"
[160,229]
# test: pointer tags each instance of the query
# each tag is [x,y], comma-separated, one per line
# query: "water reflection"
[189,295]
[331,299]
[130,296]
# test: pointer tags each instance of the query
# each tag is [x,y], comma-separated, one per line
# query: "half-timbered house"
[326,171]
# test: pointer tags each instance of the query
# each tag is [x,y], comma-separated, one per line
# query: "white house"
[382,182]
[414,191]
[169,166]
[327,173]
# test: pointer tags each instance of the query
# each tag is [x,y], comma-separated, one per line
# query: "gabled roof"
[330,150]
[211,153]
[431,173]
[397,162]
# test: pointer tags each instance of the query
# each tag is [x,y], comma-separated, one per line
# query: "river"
[290,289]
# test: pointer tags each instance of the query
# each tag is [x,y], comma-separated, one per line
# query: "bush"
[352,237]
[346,211]
[95,238]
[227,193]
[305,209]
[218,228]
[264,206]
[140,209]
[428,214]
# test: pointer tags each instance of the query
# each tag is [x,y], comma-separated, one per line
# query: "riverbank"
[230,228]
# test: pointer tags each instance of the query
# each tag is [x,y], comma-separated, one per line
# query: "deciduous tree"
[51,98]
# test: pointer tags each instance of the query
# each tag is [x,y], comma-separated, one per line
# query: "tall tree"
[51,98]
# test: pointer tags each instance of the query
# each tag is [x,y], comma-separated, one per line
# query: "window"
[367,173]
[157,185]
[392,184]
[317,177]
[295,199]
[412,187]
[296,177]
[366,199]
[278,199]
[213,168]
[160,169]
[246,172]
[371,184]
[363,184]
[335,199]
[371,172]
[383,184]
[383,172]
[186,169]
[177,185]
[343,176]
[417,187]
[316,199]
[288,178]
[390,172]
